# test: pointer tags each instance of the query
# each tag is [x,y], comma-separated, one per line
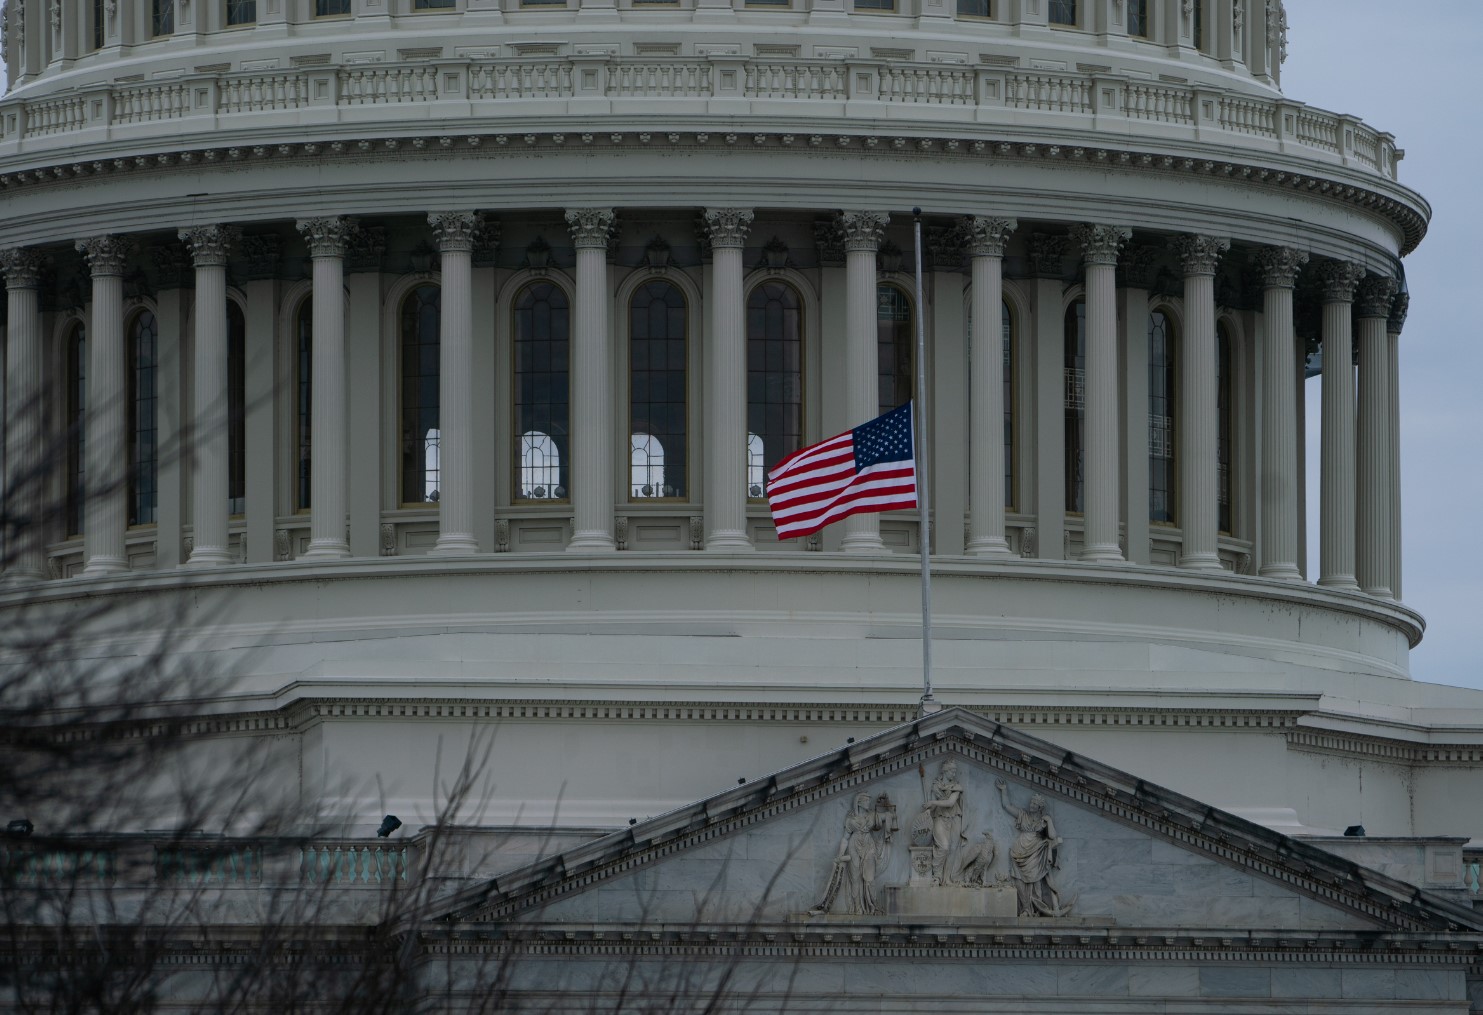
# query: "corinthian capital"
[209,244]
[106,254]
[1399,307]
[987,237]
[454,230]
[1199,254]
[1375,295]
[1280,266]
[1100,244]
[862,230]
[1338,280]
[727,227]
[22,268]
[326,237]
[591,227]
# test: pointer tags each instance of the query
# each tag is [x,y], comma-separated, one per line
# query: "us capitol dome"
[439,348]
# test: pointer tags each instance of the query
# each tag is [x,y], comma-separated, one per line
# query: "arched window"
[894,347]
[756,466]
[143,481]
[1225,376]
[657,402]
[420,320]
[1075,344]
[236,410]
[774,379]
[542,330]
[1161,436]
[303,388]
[76,407]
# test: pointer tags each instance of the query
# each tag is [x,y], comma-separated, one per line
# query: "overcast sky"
[1412,68]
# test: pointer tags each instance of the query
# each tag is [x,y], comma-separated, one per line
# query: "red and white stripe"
[818,485]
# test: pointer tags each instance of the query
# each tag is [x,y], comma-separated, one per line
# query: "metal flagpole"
[924,487]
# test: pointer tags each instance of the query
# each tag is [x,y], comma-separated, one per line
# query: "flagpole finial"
[917,212]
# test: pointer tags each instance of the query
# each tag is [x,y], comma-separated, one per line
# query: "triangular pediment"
[1070,843]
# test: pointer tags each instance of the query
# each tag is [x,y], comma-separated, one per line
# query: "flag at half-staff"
[869,468]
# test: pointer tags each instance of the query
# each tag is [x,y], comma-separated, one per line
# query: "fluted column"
[1375,527]
[1336,492]
[1199,422]
[1279,508]
[1393,326]
[726,385]
[326,240]
[1101,245]
[24,461]
[986,240]
[106,511]
[862,231]
[454,232]
[209,463]
[592,385]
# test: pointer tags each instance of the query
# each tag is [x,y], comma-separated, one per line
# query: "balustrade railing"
[488,82]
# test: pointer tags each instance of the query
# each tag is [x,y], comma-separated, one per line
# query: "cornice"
[1354,192]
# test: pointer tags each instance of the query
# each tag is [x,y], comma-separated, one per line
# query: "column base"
[1283,572]
[988,546]
[728,541]
[326,549]
[1380,592]
[101,566]
[454,544]
[1102,553]
[1344,582]
[209,556]
[592,541]
[863,543]
[22,576]
[1201,562]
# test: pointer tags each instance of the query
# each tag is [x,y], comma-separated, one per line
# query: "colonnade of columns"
[1359,497]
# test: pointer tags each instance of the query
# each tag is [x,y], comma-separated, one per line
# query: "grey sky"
[1415,74]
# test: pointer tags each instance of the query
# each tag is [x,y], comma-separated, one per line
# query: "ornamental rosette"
[21,267]
[455,231]
[862,230]
[591,227]
[106,254]
[1338,280]
[1375,295]
[208,245]
[326,237]
[1199,254]
[985,236]
[1101,244]
[1279,266]
[727,227]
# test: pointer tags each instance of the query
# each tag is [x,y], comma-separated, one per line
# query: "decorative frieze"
[365,248]
[829,242]
[1199,255]
[262,252]
[1279,266]
[945,247]
[208,245]
[172,264]
[1047,252]
[1100,244]
[1137,265]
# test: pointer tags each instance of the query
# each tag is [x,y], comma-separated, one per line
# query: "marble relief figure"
[862,850]
[1033,856]
[942,812]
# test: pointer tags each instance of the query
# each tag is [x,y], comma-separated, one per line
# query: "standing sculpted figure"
[944,806]
[1033,855]
[860,853]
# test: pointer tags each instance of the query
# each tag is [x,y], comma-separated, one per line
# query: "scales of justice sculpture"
[950,875]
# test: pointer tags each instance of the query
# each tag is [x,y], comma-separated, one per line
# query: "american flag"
[869,468]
